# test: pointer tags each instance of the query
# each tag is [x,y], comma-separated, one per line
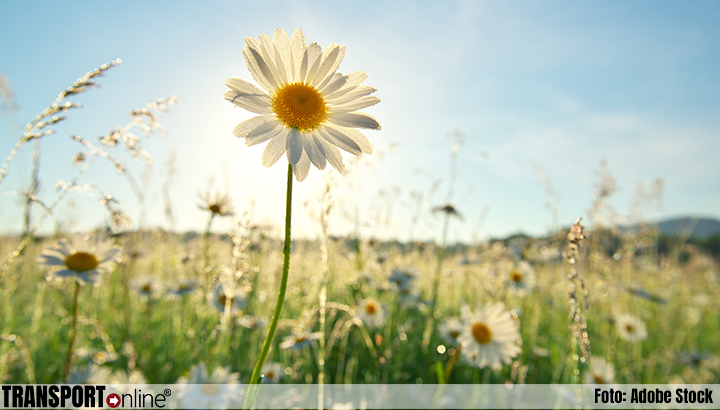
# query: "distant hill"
[703,227]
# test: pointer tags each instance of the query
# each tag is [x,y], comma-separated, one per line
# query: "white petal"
[259,68]
[273,59]
[332,153]
[335,84]
[340,140]
[274,149]
[294,146]
[51,260]
[263,133]
[357,137]
[341,98]
[313,151]
[311,61]
[302,168]
[282,47]
[354,81]
[355,120]
[332,57]
[360,103]
[242,129]
[298,47]
[245,95]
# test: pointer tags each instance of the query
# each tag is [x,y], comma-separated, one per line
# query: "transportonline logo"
[77,396]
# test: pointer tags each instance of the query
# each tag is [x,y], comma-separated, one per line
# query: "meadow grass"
[163,337]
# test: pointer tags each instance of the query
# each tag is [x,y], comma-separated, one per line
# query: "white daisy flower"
[223,297]
[146,287]
[371,312]
[600,372]
[408,294]
[271,372]
[490,337]
[214,390]
[183,288]
[450,330]
[83,260]
[299,340]
[307,109]
[631,328]
[252,322]
[401,277]
[521,278]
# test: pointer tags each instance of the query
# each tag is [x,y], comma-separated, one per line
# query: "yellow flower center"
[214,208]
[146,288]
[516,276]
[81,262]
[454,334]
[299,105]
[370,308]
[224,299]
[210,390]
[481,333]
[629,328]
[598,380]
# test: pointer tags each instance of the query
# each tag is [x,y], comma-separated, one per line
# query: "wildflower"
[271,372]
[83,260]
[183,288]
[218,205]
[522,278]
[206,390]
[371,312]
[224,298]
[307,108]
[299,339]
[490,336]
[401,277]
[408,295]
[147,287]
[252,322]
[134,376]
[450,330]
[631,328]
[600,372]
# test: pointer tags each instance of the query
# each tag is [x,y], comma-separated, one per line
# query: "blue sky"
[560,84]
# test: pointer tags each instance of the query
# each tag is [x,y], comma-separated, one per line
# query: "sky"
[556,86]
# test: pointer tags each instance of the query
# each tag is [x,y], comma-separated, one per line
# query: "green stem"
[255,379]
[68,360]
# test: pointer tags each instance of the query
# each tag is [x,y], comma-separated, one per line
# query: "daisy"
[83,260]
[183,288]
[208,390]
[222,297]
[401,277]
[490,337]
[600,372]
[252,322]
[218,205]
[521,278]
[147,287]
[631,328]
[271,372]
[450,330]
[299,340]
[371,312]
[307,109]
[408,294]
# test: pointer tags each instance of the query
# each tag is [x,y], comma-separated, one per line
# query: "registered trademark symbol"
[167,392]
